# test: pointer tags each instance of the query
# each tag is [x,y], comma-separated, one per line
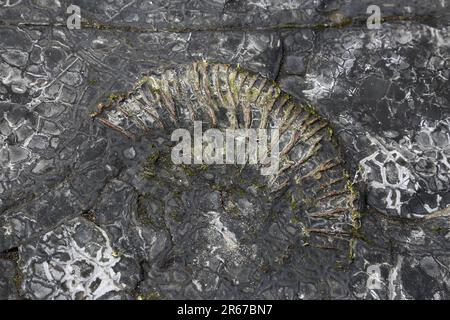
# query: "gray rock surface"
[87,212]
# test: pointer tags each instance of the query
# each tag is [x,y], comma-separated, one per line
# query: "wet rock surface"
[94,211]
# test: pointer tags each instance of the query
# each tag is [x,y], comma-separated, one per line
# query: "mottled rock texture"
[91,206]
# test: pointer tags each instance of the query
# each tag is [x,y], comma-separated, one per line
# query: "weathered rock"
[167,231]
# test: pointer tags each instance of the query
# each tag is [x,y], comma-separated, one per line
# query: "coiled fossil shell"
[311,169]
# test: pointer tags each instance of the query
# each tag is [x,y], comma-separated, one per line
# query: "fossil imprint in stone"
[311,169]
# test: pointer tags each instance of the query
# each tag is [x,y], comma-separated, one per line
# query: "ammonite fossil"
[221,96]
[226,222]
